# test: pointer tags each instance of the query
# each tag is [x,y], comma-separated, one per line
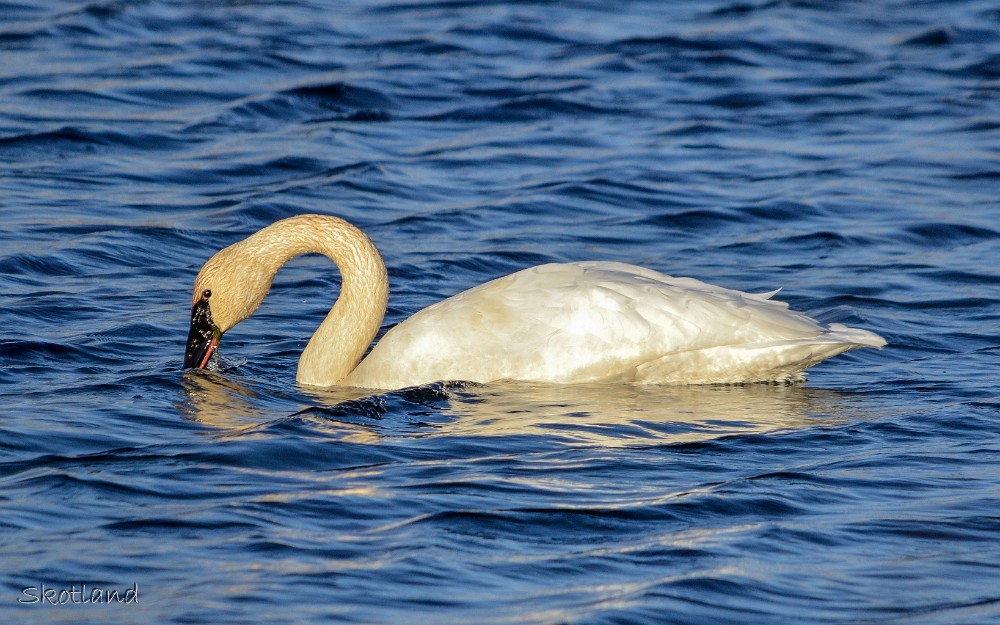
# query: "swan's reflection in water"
[611,415]
[617,415]
[231,408]
[217,401]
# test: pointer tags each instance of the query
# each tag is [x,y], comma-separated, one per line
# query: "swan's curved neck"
[341,340]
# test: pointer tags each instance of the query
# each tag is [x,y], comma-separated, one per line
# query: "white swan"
[563,323]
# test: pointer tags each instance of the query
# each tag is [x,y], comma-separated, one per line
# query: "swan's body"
[563,323]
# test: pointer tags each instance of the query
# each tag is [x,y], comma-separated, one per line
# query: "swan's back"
[596,321]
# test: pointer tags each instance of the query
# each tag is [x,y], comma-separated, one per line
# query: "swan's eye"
[207,293]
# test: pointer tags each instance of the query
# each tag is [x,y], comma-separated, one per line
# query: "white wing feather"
[594,321]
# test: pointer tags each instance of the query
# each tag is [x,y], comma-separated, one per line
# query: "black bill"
[203,338]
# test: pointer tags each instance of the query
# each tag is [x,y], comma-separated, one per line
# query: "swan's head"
[228,289]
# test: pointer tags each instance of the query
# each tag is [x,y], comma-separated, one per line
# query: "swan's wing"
[579,322]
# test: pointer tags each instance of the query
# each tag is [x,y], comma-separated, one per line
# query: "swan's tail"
[776,361]
[839,333]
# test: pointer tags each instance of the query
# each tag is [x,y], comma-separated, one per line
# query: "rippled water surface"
[847,152]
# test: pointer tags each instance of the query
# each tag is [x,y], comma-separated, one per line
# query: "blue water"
[847,152]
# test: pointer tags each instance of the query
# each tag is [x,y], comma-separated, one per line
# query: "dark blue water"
[848,152]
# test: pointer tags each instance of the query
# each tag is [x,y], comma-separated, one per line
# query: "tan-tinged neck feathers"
[240,276]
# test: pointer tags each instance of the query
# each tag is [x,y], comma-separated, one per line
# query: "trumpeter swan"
[562,323]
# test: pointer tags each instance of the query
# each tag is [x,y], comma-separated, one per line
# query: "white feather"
[596,321]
